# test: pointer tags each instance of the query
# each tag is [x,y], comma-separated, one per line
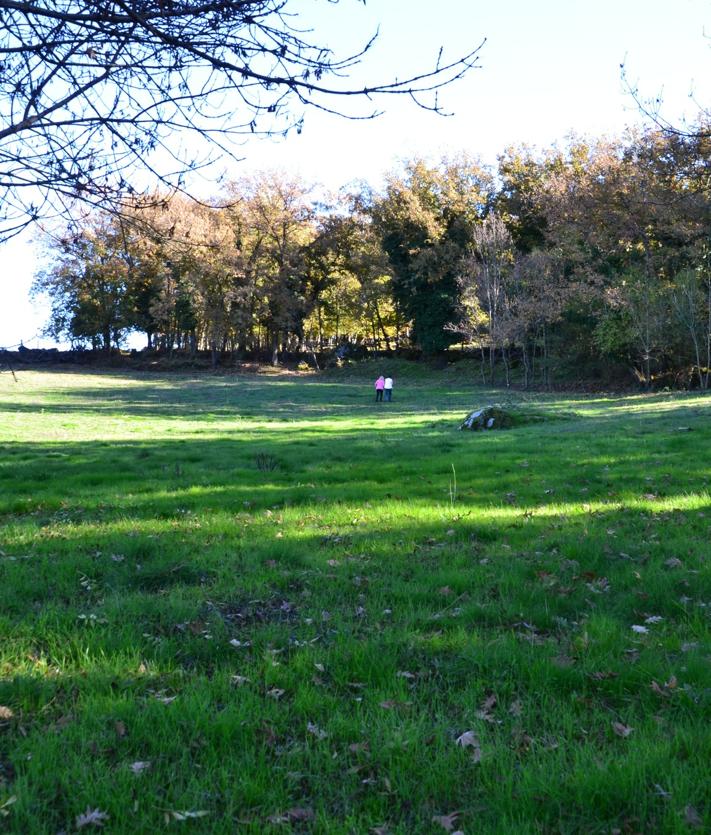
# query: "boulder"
[489,417]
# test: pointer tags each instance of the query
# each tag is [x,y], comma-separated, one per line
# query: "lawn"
[266,604]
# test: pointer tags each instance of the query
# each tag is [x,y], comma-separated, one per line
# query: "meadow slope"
[264,604]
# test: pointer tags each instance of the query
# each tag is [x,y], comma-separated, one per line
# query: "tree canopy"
[591,260]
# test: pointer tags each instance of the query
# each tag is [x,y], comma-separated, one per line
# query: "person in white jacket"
[388,389]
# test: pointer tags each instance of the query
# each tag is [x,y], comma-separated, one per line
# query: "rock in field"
[490,417]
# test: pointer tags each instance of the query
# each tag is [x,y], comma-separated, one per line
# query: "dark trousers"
[378,395]
[388,395]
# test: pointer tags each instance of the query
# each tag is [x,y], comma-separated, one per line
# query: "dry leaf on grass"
[4,811]
[391,704]
[357,747]
[5,712]
[92,817]
[295,815]
[174,815]
[486,707]
[692,817]
[622,730]
[319,733]
[603,675]
[140,766]
[447,822]
[470,740]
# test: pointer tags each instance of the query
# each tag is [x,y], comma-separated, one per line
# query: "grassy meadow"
[265,604]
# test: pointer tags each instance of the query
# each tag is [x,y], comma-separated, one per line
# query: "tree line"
[579,261]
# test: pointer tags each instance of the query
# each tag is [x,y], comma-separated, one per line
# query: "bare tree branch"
[92,92]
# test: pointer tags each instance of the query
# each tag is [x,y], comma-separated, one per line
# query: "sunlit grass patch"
[279,598]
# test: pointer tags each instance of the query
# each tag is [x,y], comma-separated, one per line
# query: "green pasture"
[266,604]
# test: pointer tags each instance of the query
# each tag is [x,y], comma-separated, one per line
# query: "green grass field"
[263,604]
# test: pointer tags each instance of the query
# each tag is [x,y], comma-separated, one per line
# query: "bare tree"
[93,90]
[483,285]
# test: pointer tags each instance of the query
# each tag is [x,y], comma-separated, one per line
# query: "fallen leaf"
[447,822]
[673,562]
[641,630]
[4,811]
[120,728]
[173,814]
[276,692]
[516,708]
[470,740]
[140,766]
[405,674]
[489,702]
[238,681]
[5,712]
[485,708]
[622,730]
[657,689]
[295,815]
[92,817]
[319,733]
[270,736]
[166,700]
[357,747]
[692,817]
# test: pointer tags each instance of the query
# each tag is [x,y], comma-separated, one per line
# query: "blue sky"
[548,68]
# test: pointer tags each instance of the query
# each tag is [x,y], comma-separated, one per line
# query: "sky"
[548,68]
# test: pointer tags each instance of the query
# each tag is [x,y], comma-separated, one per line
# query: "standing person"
[379,386]
[388,388]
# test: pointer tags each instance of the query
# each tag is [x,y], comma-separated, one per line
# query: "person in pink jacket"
[379,386]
